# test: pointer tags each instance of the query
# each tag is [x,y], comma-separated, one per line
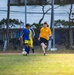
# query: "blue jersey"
[25,33]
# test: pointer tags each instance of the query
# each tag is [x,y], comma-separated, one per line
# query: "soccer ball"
[24,53]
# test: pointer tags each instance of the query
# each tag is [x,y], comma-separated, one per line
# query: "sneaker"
[44,54]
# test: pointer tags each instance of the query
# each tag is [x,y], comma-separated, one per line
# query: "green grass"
[37,64]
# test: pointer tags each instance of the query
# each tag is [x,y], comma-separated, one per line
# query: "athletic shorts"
[29,43]
[42,40]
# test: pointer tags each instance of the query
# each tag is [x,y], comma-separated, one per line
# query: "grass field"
[37,64]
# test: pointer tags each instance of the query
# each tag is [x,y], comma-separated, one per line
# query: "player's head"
[28,26]
[45,24]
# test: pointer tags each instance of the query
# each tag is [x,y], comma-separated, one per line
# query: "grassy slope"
[37,64]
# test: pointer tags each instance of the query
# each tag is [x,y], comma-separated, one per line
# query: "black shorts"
[42,40]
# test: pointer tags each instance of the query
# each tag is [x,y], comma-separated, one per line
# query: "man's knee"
[43,45]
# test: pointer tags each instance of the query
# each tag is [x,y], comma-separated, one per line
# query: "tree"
[11,22]
[64,2]
[45,12]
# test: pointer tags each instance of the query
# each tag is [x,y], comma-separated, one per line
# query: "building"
[22,1]
[16,1]
[13,1]
[49,1]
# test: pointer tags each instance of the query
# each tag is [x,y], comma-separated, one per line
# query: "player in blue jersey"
[25,34]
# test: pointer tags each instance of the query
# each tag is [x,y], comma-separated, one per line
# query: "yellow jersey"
[45,33]
[31,39]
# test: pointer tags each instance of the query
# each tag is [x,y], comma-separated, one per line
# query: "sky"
[3,3]
[60,13]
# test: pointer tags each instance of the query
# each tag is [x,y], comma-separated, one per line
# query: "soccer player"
[31,36]
[45,34]
[25,35]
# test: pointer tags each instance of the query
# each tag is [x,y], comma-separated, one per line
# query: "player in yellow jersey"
[45,34]
[31,36]
[31,41]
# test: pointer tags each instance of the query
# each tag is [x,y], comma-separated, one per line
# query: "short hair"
[45,23]
[27,25]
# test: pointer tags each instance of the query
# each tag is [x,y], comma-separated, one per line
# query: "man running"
[45,34]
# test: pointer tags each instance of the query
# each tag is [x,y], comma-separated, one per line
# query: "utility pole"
[8,14]
[25,12]
[53,27]
[7,30]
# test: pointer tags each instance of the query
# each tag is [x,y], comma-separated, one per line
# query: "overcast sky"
[3,3]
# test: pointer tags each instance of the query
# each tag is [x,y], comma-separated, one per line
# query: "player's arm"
[21,35]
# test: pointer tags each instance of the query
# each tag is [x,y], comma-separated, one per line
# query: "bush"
[15,21]
[38,26]
[64,23]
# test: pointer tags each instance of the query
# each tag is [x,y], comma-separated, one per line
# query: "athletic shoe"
[44,54]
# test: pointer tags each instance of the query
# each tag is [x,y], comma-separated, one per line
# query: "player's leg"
[32,46]
[43,45]
[29,46]
[46,44]
[28,50]
[26,46]
[32,50]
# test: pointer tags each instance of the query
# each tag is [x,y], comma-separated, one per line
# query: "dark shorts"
[42,40]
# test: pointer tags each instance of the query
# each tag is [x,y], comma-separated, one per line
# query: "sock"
[26,49]
[33,50]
